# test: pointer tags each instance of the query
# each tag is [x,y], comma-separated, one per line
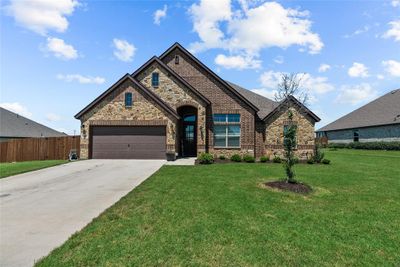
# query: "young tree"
[288,87]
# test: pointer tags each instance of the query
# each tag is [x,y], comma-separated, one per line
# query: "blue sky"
[57,56]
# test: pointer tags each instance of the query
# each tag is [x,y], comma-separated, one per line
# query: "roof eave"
[184,50]
[173,73]
[292,98]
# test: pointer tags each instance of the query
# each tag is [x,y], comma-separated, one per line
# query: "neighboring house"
[14,126]
[378,120]
[174,104]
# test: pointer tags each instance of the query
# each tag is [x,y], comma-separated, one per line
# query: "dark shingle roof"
[14,125]
[264,104]
[382,111]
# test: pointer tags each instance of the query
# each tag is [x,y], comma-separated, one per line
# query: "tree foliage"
[287,88]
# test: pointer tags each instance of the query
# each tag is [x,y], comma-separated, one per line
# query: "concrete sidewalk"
[41,209]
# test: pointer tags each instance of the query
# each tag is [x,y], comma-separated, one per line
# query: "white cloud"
[268,93]
[355,94]
[81,79]
[17,108]
[358,70]
[52,117]
[206,18]
[318,85]
[159,14]
[60,49]
[124,51]
[395,3]
[392,67]
[313,86]
[279,60]
[41,16]
[394,31]
[249,29]
[380,77]
[364,29]
[270,79]
[324,67]
[237,62]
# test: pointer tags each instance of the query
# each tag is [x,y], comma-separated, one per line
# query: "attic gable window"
[128,100]
[176,59]
[155,79]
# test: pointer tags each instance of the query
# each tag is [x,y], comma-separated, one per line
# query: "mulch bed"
[293,187]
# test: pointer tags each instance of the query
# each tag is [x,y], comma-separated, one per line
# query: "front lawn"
[218,215]
[8,169]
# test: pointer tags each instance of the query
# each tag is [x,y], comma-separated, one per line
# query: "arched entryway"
[187,135]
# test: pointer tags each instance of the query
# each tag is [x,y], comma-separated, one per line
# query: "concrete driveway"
[42,209]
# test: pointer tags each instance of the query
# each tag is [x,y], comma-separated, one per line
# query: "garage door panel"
[128,142]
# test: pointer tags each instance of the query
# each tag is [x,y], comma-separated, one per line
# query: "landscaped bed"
[8,169]
[219,215]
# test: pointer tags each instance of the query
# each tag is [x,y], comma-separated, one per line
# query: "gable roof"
[14,125]
[173,73]
[382,111]
[209,71]
[149,93]
[265,105]
[298,103]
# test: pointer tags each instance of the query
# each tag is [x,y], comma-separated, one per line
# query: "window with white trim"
[227,130]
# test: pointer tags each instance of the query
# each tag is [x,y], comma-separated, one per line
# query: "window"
[189,118]
[355,136]
[128,99]
[176,59]
[227,130]
[154,79]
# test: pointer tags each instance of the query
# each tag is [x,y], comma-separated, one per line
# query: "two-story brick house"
[175,104]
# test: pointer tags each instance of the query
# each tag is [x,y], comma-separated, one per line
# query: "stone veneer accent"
[257,137]
[112,109]
[177,95]
[223,101]
[305,133]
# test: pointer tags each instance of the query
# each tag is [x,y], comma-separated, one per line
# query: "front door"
[189,136]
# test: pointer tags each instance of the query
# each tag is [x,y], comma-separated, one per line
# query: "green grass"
[8,169]
[218,215]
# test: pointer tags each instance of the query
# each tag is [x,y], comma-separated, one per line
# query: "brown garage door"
[128,142]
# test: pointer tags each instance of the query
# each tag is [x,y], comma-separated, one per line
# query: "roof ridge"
[30,122]
[207,69]
[171,71]
[355,112]
[137,83]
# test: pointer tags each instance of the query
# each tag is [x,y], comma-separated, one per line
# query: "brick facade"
[191,84]
[223,101]
[112,111]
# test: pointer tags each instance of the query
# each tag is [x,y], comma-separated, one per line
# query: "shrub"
[205,158]
[326,161]
[236,158]
[264,159]
[248,159]
[310,161]
[222,157]
[318,154]
[296,160]
[368,145]
[277,159]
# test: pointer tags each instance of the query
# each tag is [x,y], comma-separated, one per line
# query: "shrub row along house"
[378,120]
[174,105]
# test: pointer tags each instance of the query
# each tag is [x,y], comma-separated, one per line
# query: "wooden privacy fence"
[46,148]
